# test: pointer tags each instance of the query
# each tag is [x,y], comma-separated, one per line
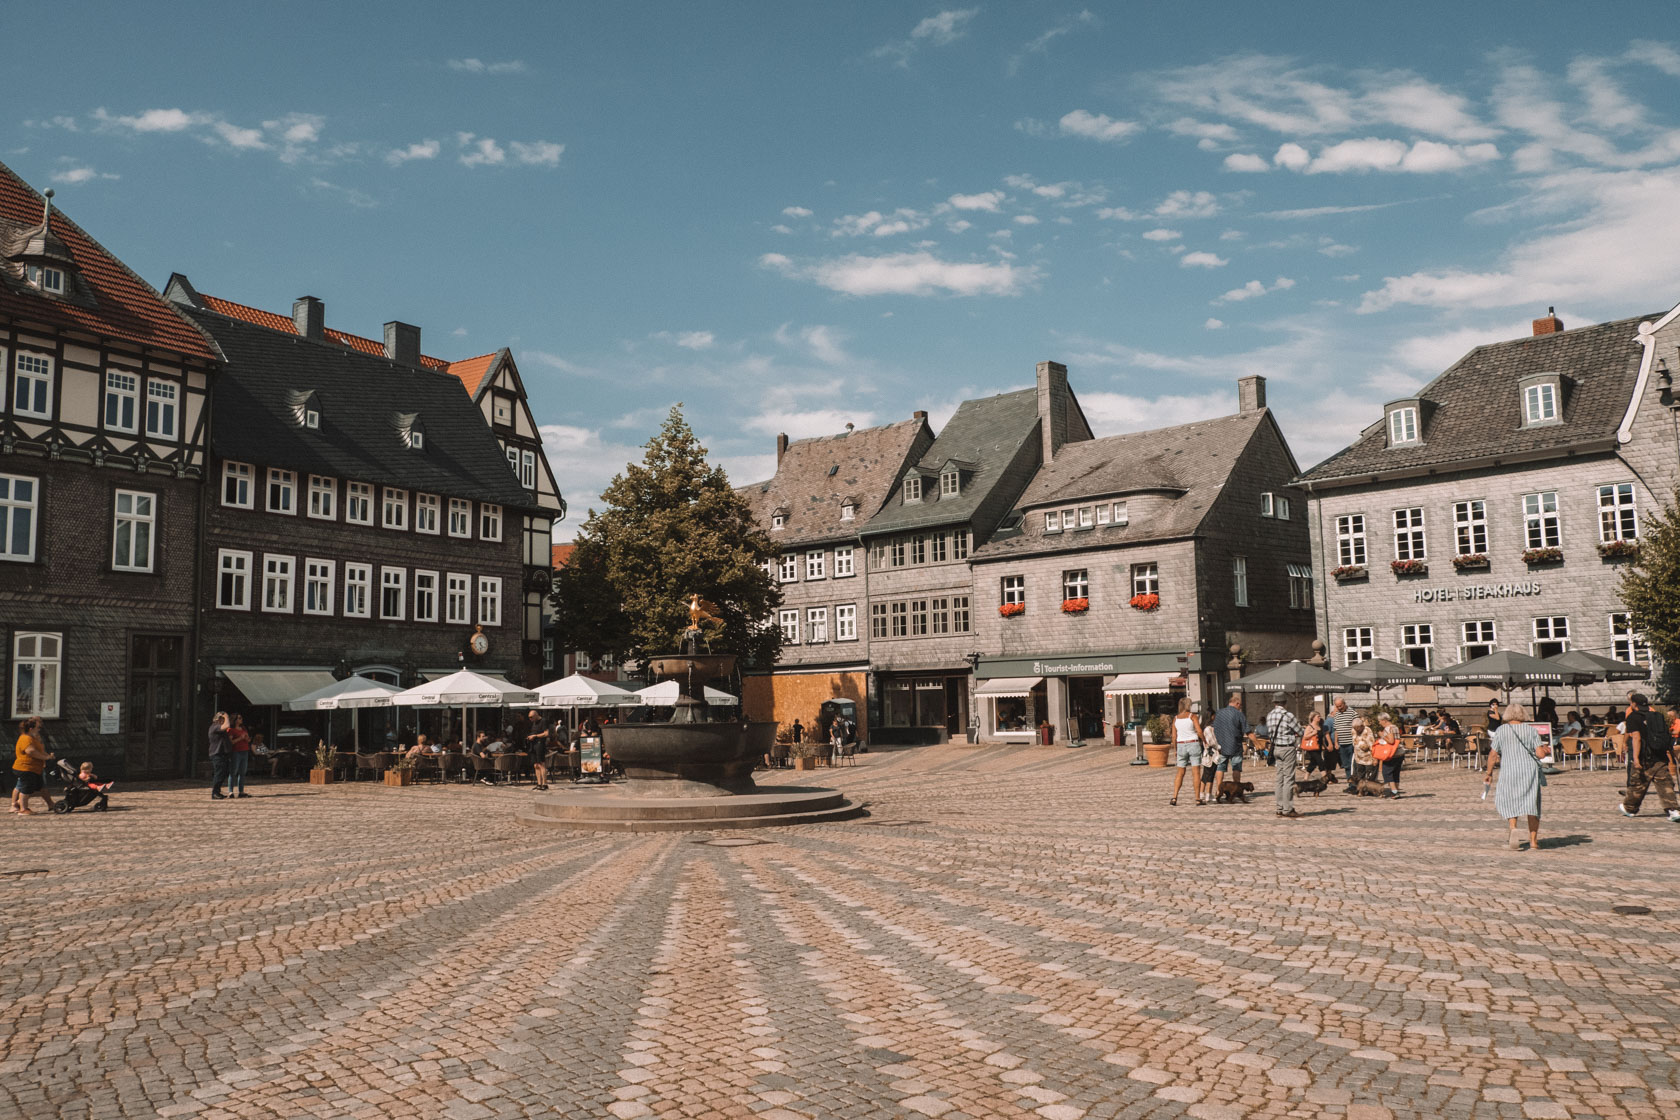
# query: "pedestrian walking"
[1517,750]
[29,769]
[1341,723]
[239,761]
[1230,727]
[1187,744]
[1363,766]
[1284,731]
[1389,754]
[1652,761]
[221,752]
[1317,748]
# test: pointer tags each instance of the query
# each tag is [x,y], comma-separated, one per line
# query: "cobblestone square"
[1011,932]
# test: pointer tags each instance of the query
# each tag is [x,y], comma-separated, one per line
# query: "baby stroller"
[78,793]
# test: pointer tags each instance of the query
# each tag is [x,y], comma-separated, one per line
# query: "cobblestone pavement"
[1014,932]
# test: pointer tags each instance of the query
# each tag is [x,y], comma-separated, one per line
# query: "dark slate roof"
[986,433]
[1477,409]
[816,476]
[1187,464]
[107,298]
[362,398]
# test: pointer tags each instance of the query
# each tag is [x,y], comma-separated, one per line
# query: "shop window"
[37,668]
[1479,639]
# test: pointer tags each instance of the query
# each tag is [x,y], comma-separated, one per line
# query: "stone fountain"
[690,772]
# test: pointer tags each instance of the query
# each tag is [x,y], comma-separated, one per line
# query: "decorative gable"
[410,430]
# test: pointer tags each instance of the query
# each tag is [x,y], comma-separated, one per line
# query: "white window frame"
[457,599]
[241,479]
[489,522]
[1300,586]
[460,517]
[962,618]
[1542,520]
[1053,522]
[1470,527]
[490,596]
[428,514]
[1411,538]
[788,572]
[1618,517]
[778,520]
[1359,643]
[913,488]
[323,498]
[317,585]
[47,279]
[950,483]
[959,544]
[816,564]
[358,590]
[1069,519]
[279,580]
[1402,426]
[393,579]
[242,569]
[1012,589]
[425,596]
[816,625]
[358,503]
[281,484]
[845,622]
[1626,643]
[36,379]
[1540,403]
[13,507]
[393,509]
[1146,578]
[788,620]
[1239,580]
[1121,517]
[1282,504]
[122,389]
[848,512]
[1086,518]
[1414,636]
[845,563]
[1103,514]
[1549,629]
[1266,504]
[1477,632]
[528,469]
[141,525]
[44,667]
[163,402]
[1076,584]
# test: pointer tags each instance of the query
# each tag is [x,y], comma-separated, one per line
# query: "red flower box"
[1010,610]
[1075,606]
[1146,602]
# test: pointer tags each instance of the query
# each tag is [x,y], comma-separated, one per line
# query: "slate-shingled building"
[1131,565]
[102,460]
[1493,509]
[362,517]
[824,493]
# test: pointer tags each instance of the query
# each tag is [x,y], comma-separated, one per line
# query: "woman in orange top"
[28,772]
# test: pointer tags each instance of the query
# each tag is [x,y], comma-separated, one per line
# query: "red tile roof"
[126,306]
[560,554]
[471,371]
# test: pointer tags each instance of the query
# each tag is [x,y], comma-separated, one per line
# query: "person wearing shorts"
[29,771]
[1187,742]
[1230,726]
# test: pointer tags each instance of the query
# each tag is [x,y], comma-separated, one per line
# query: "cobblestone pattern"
[1015,932]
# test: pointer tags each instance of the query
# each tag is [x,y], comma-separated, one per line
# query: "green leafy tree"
[1651,585]
[672,527]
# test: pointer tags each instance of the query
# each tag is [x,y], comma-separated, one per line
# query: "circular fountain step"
[613,809]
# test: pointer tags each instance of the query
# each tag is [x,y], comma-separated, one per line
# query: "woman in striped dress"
[1522,777]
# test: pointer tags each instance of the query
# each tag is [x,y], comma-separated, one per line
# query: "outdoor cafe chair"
[428,766]
[1569,747]
[507,765]
[452,762]
[483,768]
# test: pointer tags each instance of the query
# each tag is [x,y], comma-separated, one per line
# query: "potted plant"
[1159,746]
[401,772]
[1348,572]
[1472,562]
[1542,555]
[322,773]
[1147,601]
[1619,550]
[1011,610]
[1404,568]
[1075,606]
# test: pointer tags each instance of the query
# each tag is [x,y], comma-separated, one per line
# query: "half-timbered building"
[102,463]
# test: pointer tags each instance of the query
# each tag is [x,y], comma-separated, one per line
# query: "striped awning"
[1007,686]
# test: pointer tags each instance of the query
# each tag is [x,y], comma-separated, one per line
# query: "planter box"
[320,777]
[1472,564]
[399,777]
[804,764]
[1157,754]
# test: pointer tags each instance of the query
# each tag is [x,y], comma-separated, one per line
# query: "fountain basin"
[700,667]
[688,759]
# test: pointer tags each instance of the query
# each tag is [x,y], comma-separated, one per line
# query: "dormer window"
[778,518]
[1052,522]
[47,279]
[1402,425]
[306,408]
[1542,399]
[312,418]
[950,483]
[848,512]
[410,430]
[913,488]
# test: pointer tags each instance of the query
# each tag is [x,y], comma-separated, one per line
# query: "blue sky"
[789,216]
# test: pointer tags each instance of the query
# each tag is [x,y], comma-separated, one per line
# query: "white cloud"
[796,212]
[1659,55]
[425,149]
[1254,289]
[153,120]
[959,225]
[1376,154]
[537,153]
[1040,44]
[479,153]
[780,228]
[1202,260]
[75,176]
[986,200]
[237,137]
[291,136]
[692,340]
[350,195]
[1025,220]
[1332,248]
[1096,126]
[919,274]
[1246,161]
[937,30]
[1187,204]
[877,224]
[1214,325]
[1292,156]
[1434,351]
[1161,235]
[479,66]
[1203,130]
[587,463]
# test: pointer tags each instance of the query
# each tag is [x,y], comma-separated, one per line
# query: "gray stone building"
[1131,565]
[1493,509]
[923,638]
[103,430]
[824,494]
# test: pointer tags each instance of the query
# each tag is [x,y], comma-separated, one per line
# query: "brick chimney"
[919,414]
[309,315]
[1551,324]
[1251,393]
[402,343]
[1053,399]
[781,447]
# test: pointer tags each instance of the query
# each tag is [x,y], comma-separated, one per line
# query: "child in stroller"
[81,788]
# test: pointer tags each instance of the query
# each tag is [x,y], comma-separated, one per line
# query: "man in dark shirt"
[221,754]
[1230,727]
[1650,762]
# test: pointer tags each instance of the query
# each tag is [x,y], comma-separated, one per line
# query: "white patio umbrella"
[578,691]
[353,692]
[665,693]
[465,689]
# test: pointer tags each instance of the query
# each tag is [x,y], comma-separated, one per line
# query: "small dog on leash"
[1314,786]
[1230,792]
[1370,789]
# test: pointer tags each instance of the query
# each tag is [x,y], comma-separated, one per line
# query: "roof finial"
[46,207]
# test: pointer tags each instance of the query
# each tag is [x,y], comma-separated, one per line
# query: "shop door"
[956,705]
[154,718]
